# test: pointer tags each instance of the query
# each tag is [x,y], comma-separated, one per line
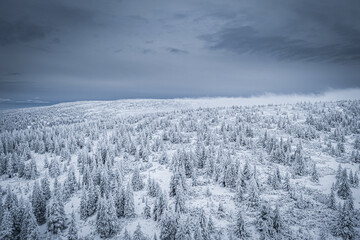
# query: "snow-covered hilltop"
[181,169]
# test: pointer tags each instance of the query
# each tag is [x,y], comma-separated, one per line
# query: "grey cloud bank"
[55,51]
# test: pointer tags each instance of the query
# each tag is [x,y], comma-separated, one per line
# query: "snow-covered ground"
[218,138]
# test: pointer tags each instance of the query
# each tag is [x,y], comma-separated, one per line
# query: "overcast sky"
[54,51]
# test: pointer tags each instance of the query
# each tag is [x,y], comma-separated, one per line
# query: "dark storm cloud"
[176,50]
[247,40]
[294,30]
[20,31]
[63,50]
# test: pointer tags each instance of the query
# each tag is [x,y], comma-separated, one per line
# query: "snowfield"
[181,169]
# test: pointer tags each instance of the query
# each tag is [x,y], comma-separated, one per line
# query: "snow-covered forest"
[163,170]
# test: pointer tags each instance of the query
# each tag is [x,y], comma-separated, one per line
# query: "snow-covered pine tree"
[278,224]
[106,220]
[147,210]
[286,183]
[54,168]
[29,226]
[314,174]
[56,215]
[136,180]
[344,186]
[221,210]
[345,223]
[119,202]
[211,227]
[84,205]
[92,197]
[183,231]
[203,224]
[239,227]
[168,226]
[265,223]
[160,206]
[179,200]
[7,226]
[138,234]
[356,180]
[38,203]
[73,229]
[331,200]
[178,177]
[45,186]
[197,232]
[70,185]
[253,193]
[299,162]
[126,235]
[129,207]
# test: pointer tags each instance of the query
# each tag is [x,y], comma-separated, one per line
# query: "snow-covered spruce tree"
[179,200]
[73,229]
[126,235]
[84,205]
[221,211]
[345,223]
[163,159]
[314,174]
[275,179]
[246,172]
[16,209]
[230,175]
[136,180]
[54,168]
[178,177]
[119,201]
[331,200]
[211,227]
[265,222]
[339,172]
[344,186]
[6,227]
[253,193]
[21,166]
[183,231]
[160,206]
[197,232]
[92,196]
[351,178]
[299,162]
[239,227]
[286,183]
[38,203]
[104,183]
[147,210]
[129,207]
[29,226]
[356,180]
[278,224]
[153,188]
[138,234]
[168,226]
[56,215]
[106,220]
[239,194]
[70,183]
[45,186]
[10,167]
[203,224]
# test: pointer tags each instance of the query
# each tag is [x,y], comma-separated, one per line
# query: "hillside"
[181,169]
